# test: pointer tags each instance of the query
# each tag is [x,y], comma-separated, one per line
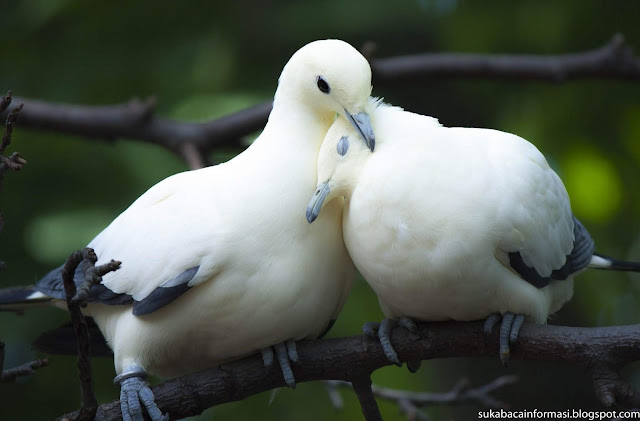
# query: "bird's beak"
[362,124]
[315,205]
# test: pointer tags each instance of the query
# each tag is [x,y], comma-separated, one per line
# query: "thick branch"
[362,386]
[347,358]
[137,120]
[612,61]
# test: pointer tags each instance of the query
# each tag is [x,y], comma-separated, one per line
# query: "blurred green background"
[206,59]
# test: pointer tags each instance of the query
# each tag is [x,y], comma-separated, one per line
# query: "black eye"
[322,85]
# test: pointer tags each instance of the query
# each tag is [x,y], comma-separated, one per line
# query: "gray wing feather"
[578,259]
[52,285]
[165,293]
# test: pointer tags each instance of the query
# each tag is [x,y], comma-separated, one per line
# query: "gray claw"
[509,329]
[149,401]
[292,350]
[491,322]
[134,394]
[284,352]
[267,357]
[371,329]
[382,331]
[515,328]
[408,324]
[505,333]
[384,334]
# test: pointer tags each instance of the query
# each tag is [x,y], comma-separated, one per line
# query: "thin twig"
[460,394]
[15,161]
[2,264]
[75,298]
[8,128]
[92,275]
[410,403]
[89,404]
[5,101]
[10,375]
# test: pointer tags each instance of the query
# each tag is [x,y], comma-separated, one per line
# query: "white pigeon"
[220,262]
[454,223]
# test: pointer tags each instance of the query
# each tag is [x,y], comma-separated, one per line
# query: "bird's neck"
[296,126]
[349,174]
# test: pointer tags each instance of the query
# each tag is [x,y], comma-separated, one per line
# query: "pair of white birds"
[444,223]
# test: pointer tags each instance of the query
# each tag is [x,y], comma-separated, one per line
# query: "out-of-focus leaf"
[204,107]
[593,183]
[50,238]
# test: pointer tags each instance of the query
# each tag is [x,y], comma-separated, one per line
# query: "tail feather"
[600,261]
[20,298]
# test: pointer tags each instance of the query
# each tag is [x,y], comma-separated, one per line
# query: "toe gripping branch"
[285,352]
[382,331]
[509,330]
[134,393]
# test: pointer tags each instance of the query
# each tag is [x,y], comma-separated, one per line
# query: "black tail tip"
[15,295]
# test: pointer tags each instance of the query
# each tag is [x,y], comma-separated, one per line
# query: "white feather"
[432,214]
[265,274]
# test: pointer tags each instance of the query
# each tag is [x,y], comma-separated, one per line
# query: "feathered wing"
[543,240]
[152,274]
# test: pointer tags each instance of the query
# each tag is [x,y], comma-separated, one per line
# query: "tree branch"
[347,358]
[615,60]
[137,120]
[410,403]
[92,276]
[10,375]
[362,386]
[191,141]
[15,161]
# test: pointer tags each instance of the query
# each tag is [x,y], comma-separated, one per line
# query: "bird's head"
[330,77]
[341,159]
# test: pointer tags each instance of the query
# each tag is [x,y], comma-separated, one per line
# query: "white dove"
[219,263]
[454,223]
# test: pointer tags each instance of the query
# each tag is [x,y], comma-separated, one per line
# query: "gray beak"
[362,124]
[315,205]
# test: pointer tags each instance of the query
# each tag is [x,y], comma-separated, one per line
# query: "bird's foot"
[382,331]
[135,393]
[509,329]
[285,352]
